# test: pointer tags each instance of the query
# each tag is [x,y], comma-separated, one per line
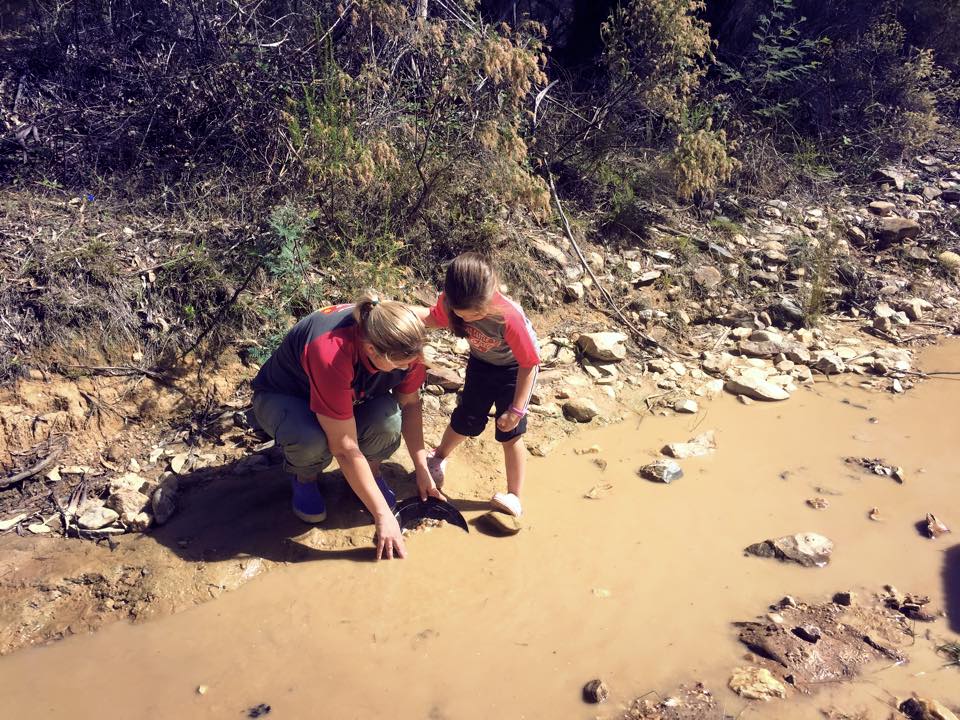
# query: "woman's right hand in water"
[389,538]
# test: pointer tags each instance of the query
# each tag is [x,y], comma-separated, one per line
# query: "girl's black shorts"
[486,386]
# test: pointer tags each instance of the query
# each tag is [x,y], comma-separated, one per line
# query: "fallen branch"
[647,340]
[122,371]
[37,468]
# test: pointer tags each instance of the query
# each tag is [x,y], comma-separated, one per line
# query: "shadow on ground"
[951,587]
[233,511]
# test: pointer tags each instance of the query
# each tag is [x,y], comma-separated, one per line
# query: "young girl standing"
[501,370]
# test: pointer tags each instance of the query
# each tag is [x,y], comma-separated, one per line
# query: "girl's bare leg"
[451,439]
[515,459]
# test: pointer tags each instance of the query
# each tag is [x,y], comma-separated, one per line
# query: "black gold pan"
[412,510]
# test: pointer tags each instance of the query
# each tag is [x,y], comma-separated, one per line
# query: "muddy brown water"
[638,587]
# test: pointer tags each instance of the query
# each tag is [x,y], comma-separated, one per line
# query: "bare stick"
[647,340]
[39,467]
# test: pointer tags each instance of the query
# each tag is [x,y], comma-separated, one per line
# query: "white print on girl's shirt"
[479,341]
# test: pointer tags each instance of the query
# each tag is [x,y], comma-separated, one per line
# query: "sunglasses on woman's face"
[401,362]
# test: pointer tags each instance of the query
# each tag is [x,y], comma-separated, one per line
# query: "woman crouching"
[345,384]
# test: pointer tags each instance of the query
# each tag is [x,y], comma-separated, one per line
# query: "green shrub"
[771,79]
[395,134]
[701,162]
[656,53]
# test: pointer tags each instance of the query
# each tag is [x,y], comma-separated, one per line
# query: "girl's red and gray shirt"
[321,359]
[505,337]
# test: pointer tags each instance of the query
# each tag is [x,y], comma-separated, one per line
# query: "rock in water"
[807,549]
[581,410]
[924,709]
[686,406]
[935,526]
[845,598]
[501,523]
[755,386]
[596,691]
[756,684]
[603,346]
[699,446]
[665,471]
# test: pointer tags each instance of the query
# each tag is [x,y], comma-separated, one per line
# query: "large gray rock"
[889,176]
[771,348]
[915,307]
[580,410]
[446,378]
[807,549]
[894,230]
[949,260]
[127,501]
[95,518]
[755,386]
[137,523]
[707,277]
[164,503]
[881,207]
[829,363]
[131,481]
[756,683]
[703,444]
[686,406]
[716,363]
[665,471]
[603,346]
[550,252]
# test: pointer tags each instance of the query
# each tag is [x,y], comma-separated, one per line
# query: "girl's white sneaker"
[508,503]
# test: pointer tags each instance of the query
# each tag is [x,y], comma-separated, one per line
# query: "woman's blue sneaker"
[308,504]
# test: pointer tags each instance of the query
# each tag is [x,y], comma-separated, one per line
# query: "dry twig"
[647,340]
[39,467]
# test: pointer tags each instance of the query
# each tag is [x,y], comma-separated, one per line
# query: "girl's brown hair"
[391,327]
[470,284]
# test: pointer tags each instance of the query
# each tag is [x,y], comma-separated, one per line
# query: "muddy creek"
[639,586]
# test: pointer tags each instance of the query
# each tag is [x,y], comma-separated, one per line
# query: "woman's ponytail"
[391,327]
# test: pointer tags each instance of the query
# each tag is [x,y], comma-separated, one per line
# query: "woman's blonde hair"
[391,327]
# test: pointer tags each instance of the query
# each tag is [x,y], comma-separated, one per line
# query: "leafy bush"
[770,79]
[701,161]
[656,53]
[411,123]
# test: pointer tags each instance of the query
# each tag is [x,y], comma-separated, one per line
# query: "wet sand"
[638,587]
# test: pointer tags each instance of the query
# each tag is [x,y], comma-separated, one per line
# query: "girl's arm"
[526,377]
[426,317]
[342,440]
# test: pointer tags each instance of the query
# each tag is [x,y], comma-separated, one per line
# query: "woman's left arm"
[411,427]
